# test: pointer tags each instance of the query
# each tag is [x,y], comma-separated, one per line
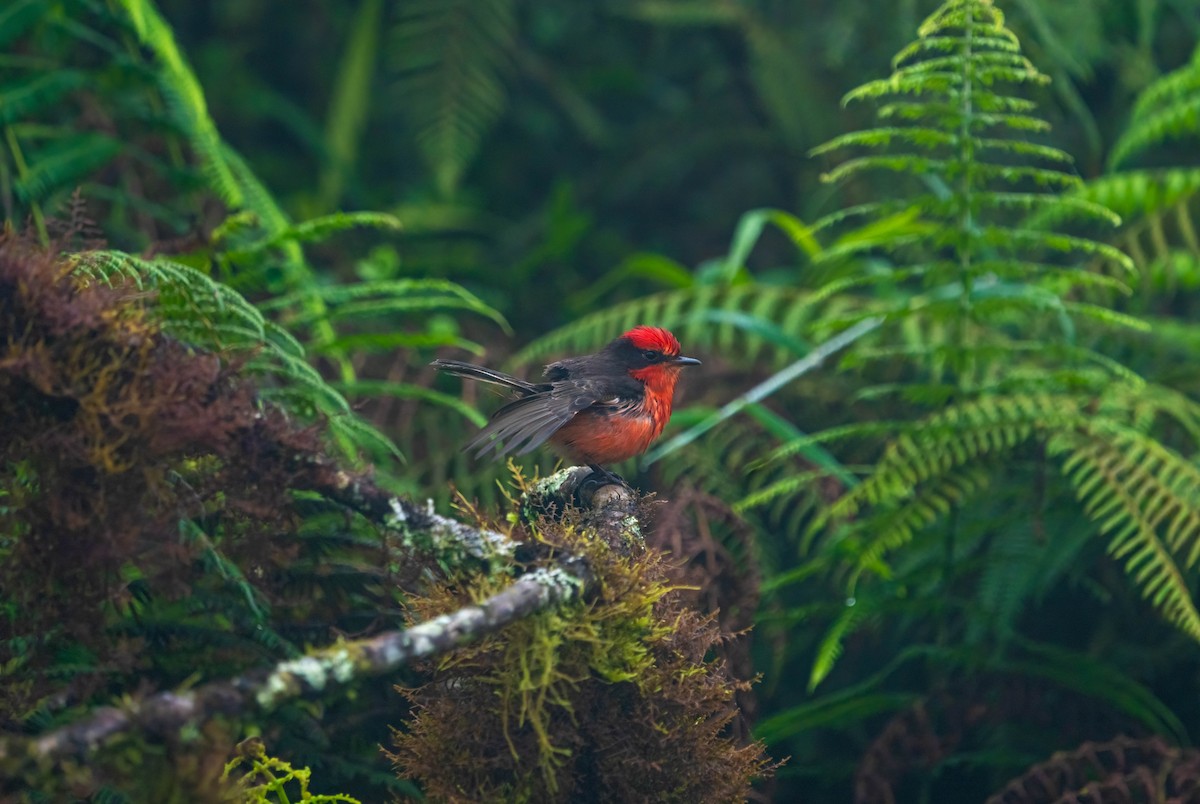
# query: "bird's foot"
[600,477]
[604,477]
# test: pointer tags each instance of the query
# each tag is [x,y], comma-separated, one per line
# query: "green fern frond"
[1108,316]
[867,429]
[1147,498]
[688,313]
[912,164]
[1132,194]
[897,525]
[315,230]
[299,387]
[211,554]
[1037,150]
[211,315]
[187,97]
[451,56]
[1013,174]
[1054,279]
[1178,121]
[787,487]
[983,121]
[266,223]
[945,88]
[363,300]
[948,441]
[20,100]
[750,227]
[1006,65]
[1161,227]
[421,299]
[351,102]
[62,166]
[904,84]
[17,18]
[1169,109]
[266,220]
[856,704]
[366,291]
[1006,583]
[200,311]
[981,16]
[383,388]
[856,615]
[1015,239]
[899,214]
[1145,405]
[991,110]
[1099,680]
[1170,88]
[936,43]
[284,341]
[1080,204]
[883,137]
[389,342]
[356,435]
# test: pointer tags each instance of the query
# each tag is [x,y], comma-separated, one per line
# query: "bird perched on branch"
[596,409]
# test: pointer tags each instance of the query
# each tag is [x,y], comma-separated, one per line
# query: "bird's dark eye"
[652,355]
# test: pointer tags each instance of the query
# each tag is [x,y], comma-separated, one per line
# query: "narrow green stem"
[966,156]
[35,209]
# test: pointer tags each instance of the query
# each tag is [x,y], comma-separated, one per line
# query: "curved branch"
[569,578]
[334,666]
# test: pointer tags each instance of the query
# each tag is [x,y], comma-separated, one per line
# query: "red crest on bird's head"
[656,338]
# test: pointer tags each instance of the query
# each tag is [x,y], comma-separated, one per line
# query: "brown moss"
[916,739]
[617,699]
[714,559]
[150,534]
[113,434]
[1122,769]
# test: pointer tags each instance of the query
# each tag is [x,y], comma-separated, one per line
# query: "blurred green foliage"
[983,506]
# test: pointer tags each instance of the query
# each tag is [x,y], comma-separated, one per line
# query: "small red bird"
[596,409]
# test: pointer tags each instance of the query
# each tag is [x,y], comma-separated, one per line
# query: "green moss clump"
[254,777]
[611,699]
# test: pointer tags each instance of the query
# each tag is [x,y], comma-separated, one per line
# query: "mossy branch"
[335,666]
[568,578]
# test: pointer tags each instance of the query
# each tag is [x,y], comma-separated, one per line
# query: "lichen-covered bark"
[314,674]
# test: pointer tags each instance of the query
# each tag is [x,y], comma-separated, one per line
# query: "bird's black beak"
[685,361]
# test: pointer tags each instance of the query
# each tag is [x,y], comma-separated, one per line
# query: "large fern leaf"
[187,97]
[450,57]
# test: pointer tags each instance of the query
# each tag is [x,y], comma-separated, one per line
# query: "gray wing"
[524,424]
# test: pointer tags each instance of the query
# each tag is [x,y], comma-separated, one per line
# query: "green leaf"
[188,103]
[750,228]
[316,230]
[352,97]
[396,390]
[17,18]
[21,100]
[61,167]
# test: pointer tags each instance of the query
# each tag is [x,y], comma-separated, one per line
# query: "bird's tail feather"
[484,374]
